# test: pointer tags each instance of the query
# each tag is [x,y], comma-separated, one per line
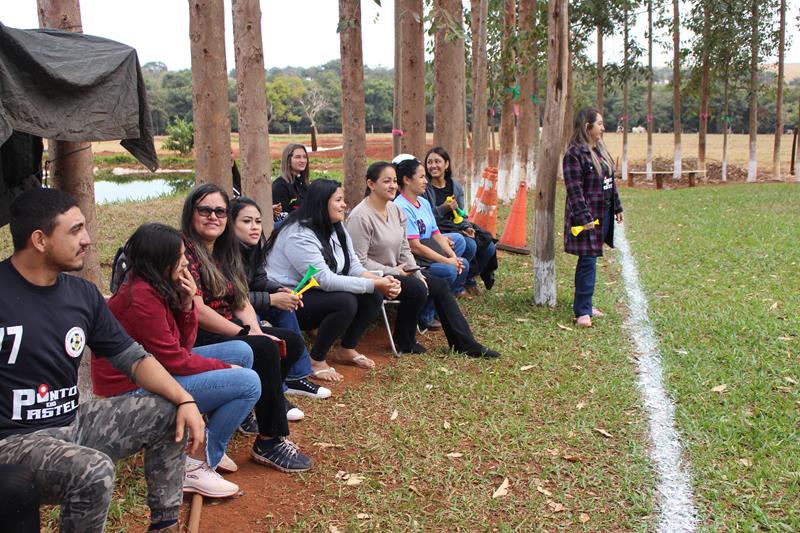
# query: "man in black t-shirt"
[47,318]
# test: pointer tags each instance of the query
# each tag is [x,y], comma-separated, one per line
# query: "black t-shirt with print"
[43,333]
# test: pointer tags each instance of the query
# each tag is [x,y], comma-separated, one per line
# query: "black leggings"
[271,369]
[412,299]
[334,313]
[19,499]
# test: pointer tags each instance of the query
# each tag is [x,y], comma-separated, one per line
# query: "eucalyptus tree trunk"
[251,102]
[210,109]
[726,124]
[600,71]
[544,267]
[72,164]
[397,122]
[650,122]
[528,131]
[412,76]
[480,122]
[705,90]
[508,91]
[450,107]
[354,128]
[625,97]
[676,89]
[752,167]
[776,152]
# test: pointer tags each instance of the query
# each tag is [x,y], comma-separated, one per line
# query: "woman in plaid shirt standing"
[592,202]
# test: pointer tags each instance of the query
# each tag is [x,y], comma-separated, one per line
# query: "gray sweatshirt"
[297,247]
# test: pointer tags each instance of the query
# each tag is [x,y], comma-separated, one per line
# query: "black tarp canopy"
[67,87]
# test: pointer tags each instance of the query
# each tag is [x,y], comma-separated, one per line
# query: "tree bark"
[776,152]
[528,131]
[544,271]
[705,90]
[450,107]
[397,121]
[752,167]
[252,106]
[727,126]
[600,71]
[480,120]
[72,161]
[354,128]
[412,75]
[625,98]
[505,184]
[650,122]
[676,89]
[212,126]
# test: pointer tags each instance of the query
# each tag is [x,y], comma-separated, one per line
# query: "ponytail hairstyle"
[223,263]
[313,214]
[405,169]
[152,253]
[585,119]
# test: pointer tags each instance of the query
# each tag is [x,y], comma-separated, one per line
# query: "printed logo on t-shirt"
[41,403]
[75,341]
[608,182]
[421,226]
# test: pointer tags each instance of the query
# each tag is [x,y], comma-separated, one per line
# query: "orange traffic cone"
[484,209]
[513,239]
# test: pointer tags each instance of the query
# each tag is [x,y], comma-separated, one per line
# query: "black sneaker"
[483,351]
[417,348]
[434,325]
[304,387]
[249,425]
[280,453]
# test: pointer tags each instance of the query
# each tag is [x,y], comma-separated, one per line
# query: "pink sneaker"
[201,478]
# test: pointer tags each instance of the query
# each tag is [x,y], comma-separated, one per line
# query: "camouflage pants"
[74,465]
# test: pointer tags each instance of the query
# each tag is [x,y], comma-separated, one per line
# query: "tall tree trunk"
[314,133]
[705,90]
[754,44]
[676,88]
[797,149]
[480,121]
[72,161]
[650,122]
[528,131]
[600,71]
[210,109]
[544,266]
[509,91]
[354,127]
[625,98]
[397,122]
[450,108]
[251,102]
[412,75]
[776,152]
[726,124]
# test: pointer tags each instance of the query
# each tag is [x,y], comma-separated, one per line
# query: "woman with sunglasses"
[224,312]
[348,298]
[156,307]
[378,228]
[272,302]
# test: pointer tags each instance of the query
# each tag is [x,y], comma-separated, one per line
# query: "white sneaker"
[227,464]
[293,414]
[201,478]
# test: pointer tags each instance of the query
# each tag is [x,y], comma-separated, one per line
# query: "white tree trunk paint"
[725,156]
[676,171]
[625,162]
[504,179]
[544,282]
[649,168]
[530,174]
[797,165]
[752,165]
[677,511]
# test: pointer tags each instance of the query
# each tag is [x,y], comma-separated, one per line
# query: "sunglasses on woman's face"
[206,211]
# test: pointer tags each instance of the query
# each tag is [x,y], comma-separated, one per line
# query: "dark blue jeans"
[586,273]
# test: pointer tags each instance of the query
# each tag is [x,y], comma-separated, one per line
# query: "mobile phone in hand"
[410,269]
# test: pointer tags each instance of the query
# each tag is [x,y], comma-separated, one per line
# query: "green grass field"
[720,268]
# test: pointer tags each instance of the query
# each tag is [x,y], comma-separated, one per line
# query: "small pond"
[133,189]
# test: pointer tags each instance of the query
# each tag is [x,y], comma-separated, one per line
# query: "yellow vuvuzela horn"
[576,230]
[311,284]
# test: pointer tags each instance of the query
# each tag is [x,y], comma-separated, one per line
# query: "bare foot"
[348,356]
[322,371]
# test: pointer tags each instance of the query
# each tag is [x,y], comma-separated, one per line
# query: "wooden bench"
[659,173]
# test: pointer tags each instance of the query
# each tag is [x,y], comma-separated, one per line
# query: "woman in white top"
[348,297]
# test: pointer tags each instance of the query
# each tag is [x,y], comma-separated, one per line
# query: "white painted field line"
[675,500]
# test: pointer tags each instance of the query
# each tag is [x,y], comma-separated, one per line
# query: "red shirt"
[164,333]
[223,305]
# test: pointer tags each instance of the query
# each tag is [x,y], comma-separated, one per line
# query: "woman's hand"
[401,271]
[456,262]
[187,289]
[619,217]
[469,232]
[276,210]
[286,301]
[589,226]
[452,205]
[388,286]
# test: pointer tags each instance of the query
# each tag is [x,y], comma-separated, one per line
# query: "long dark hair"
[237,204]
[438,150]
[224,263]
[313,214]
[152,253]
[405,169]
[374,172]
